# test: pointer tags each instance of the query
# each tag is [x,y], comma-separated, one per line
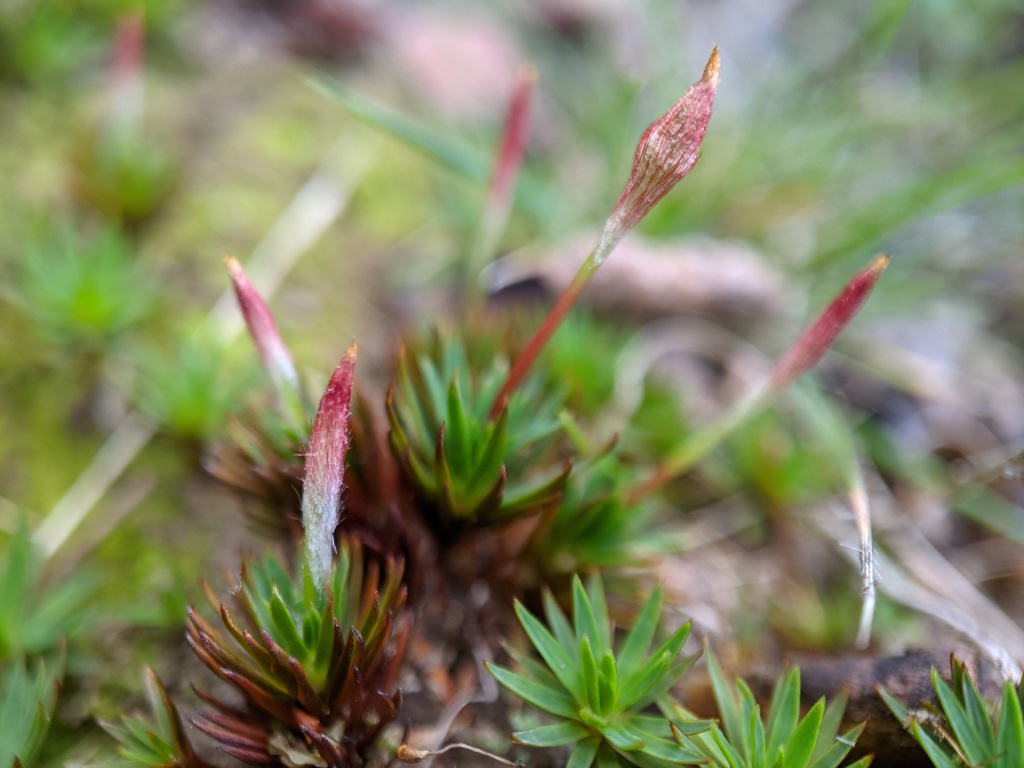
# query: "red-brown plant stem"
[797,360]
[545,332]
[276,358]
[501,191]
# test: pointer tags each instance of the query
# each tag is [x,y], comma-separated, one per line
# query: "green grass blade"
[758,744]
[554,655]
[726,749]
[800,746]
[583,615]
[971,742]
[584,753]
[287,635]
[897,707]
[623,738]
[725,699]
[989,509]
[551,700]
[643,681]
[840,748]
[456,436]
[531,195]
[830,722]
[1010,733]
[492,454]
[967,693]
[590,677]
[668,750]
[599,606]
[934,751]
[558,623]
[556,735]
[784,712]
[640,635]
[607,682]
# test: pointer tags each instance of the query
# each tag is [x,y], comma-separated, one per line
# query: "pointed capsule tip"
[880,263]
[712,67]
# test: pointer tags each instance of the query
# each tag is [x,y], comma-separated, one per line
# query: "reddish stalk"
[547,329]
[668,150]
[797,360]
[500,193]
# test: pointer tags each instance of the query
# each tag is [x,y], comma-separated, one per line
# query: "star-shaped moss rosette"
[314,653]
[970,729]
[314,665]
[117,169]
[27,704]
[160,744]
[783,740]
[468,469]
[599,696]
[593,527]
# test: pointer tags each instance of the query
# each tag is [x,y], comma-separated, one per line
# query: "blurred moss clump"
[49,43]
[84,292]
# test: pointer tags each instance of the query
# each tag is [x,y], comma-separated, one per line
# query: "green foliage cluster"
[471,469]
[969,731]
[124,176]
[48,43]
[783,740]
[84,293]
[309,657]
[599,697]
[27,706]
[160,743]
[597,694]
[594,526]
[190,390]
[36,618]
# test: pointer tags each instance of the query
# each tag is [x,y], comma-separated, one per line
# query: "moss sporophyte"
[475,465]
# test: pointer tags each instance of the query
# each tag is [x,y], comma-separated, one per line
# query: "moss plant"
[458,459]
[84,293]
[597,690]
[969,730]
[27,703]
[314,665]
[783,739]
[476,460]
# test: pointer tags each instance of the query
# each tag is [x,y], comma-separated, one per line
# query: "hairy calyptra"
[274,355]
[325,469]
[816,340]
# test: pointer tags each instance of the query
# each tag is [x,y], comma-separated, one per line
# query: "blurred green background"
[341,149]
